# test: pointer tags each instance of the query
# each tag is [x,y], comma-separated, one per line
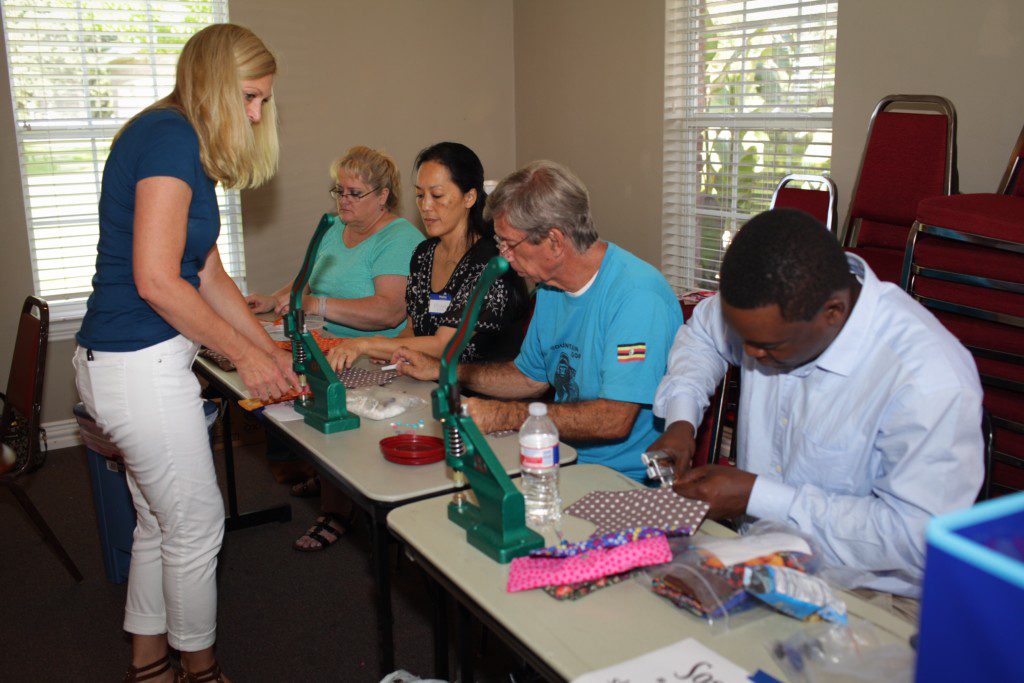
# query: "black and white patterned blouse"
[499,329]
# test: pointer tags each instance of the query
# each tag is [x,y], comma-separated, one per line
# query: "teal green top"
[343,273]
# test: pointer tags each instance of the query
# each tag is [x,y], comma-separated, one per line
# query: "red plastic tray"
[412,449]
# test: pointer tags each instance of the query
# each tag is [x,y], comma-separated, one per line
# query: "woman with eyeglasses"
[358,280]
[443,273]
[159,291]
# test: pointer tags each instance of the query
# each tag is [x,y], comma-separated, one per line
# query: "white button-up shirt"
[858,448]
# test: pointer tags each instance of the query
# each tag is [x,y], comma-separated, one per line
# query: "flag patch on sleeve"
[628,353]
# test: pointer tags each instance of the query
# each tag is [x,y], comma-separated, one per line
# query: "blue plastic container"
[115,512]
[972,609]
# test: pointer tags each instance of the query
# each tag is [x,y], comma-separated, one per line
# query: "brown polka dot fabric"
[354,378]
[653,508]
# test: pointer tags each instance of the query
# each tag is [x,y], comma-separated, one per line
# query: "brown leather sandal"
[328,523]
[310,488]
[151,670]
[211,675]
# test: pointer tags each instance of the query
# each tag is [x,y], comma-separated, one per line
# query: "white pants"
[148,403]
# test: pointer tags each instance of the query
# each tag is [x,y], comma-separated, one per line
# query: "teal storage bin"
[972,608]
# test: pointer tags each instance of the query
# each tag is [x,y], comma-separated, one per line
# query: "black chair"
[20,426]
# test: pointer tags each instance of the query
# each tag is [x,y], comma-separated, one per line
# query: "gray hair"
[541,196]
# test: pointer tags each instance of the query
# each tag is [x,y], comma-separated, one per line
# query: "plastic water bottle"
[538,460]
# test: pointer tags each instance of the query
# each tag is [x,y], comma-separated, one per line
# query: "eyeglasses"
[339,194]
[504,247]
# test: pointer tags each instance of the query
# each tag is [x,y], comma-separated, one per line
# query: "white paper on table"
[276,331]
[282,412]
[687,660]
[735,550]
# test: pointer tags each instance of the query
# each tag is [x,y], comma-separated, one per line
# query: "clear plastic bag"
[706,592]
[831,652]
[379,403]
[706,574]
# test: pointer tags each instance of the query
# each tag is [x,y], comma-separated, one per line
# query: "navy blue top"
[158,143]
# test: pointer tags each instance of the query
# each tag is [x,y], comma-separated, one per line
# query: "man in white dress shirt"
[859,414]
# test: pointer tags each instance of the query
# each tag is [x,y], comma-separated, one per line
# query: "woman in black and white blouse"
[446,267]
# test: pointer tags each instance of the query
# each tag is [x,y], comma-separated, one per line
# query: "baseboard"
[62,434]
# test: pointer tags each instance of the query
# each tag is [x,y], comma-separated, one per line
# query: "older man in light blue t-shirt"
[601,330]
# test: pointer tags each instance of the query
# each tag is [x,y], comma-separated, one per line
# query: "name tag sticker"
[439,303]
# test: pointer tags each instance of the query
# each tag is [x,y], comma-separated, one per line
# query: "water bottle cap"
[538,408]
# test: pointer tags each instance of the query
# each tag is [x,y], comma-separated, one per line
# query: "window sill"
[65,319]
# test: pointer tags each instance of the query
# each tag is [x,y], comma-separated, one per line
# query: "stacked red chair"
[794,191]
[964,259]
[908,156]
[821,202]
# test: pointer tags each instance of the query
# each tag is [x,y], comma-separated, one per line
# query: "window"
[748,99]
[79,69]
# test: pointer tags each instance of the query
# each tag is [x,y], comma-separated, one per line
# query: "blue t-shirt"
[610,342]
[158,143]
[342,272]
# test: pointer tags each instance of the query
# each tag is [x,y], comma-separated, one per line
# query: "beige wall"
[968,52]
[393,74]
[589,80]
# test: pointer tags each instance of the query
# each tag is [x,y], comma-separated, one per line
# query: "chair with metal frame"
[964,259]
[908,156]
[711,430]
[820,203]
[20,424]
[989,435]
[721,414]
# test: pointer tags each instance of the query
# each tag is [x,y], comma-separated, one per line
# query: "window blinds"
[79,69]
[748,99]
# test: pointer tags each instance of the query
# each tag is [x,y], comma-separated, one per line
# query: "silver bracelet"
[322,305]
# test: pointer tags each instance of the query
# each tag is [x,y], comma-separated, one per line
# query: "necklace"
[445,260]
[441,252]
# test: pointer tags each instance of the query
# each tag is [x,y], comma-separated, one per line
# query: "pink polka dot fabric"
[536,572]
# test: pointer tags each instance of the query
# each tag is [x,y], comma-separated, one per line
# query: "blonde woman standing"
[159,291]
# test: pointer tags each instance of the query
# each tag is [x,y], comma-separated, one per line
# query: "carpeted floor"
[283,615]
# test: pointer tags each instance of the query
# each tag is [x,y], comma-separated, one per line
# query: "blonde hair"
[374,168]
[208,91]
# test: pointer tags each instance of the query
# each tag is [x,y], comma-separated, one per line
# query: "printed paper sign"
[687,660]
